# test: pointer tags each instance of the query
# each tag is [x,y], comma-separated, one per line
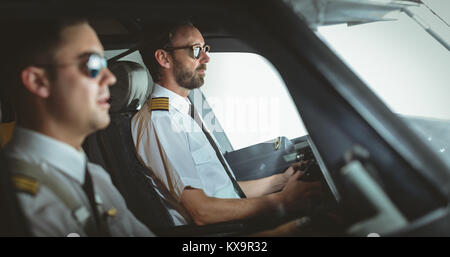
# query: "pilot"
[59,83]
[172,140]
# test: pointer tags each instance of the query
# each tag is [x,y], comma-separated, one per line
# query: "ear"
[36,81]
[163,58]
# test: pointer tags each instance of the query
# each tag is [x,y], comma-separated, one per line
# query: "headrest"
[132,88]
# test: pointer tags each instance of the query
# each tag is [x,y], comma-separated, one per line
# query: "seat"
[113,148]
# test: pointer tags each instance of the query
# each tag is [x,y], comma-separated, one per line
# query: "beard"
[188,79]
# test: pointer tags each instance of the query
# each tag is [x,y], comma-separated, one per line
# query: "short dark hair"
[28,42]
[160,38]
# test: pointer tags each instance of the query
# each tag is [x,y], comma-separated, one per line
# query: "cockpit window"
[400,49]
[250,99]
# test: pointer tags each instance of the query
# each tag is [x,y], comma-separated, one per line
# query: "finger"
[302,173]
[297,175]
[295,165]
[289,171]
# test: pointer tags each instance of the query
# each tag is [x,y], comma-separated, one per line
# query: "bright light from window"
[250,99]
[399,61]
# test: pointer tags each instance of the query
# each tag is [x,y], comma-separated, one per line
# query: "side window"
[250,99]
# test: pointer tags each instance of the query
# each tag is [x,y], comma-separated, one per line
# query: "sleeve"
[137,228]
[164,147]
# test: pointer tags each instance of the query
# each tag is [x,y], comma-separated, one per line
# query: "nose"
[108,78]
[204,57]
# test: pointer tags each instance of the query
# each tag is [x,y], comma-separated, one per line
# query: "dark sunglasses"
[91,66]
[95,64]
[196,49]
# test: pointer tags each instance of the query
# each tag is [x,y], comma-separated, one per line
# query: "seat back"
[114,148]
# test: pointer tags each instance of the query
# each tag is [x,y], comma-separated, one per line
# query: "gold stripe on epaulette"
[26,184]
[159,104]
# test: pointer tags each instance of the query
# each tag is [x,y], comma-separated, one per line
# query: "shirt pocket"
[203,155]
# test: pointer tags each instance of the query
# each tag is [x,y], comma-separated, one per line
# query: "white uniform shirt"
[173,145]
[47,215]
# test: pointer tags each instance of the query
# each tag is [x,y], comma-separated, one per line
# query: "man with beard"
[198,185]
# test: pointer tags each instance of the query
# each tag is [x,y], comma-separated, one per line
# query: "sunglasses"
[196,49]
[95,64]
[92,65]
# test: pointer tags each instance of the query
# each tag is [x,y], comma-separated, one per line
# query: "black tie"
[222,160]
[90,193]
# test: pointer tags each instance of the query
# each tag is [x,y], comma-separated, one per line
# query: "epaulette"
[25,184]
[159,104]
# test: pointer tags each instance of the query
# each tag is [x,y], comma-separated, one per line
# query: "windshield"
[400,49]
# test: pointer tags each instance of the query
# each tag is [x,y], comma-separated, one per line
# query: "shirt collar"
[38,148]
[175,100]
